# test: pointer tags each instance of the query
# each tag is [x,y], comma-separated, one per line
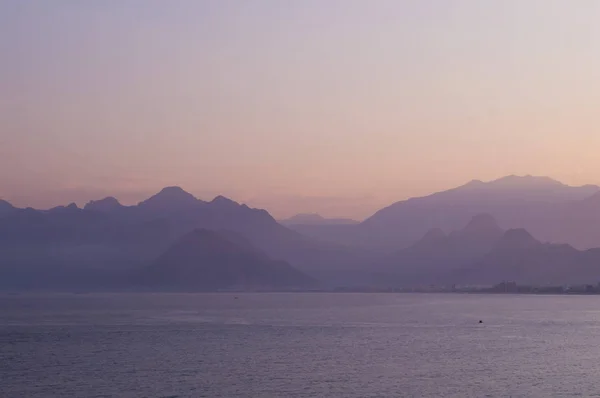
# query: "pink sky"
[339,106]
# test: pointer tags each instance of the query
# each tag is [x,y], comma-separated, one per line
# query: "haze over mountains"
[482,253]
[519,257]
[68,245]
[476,233]
[437,254]
[550,210]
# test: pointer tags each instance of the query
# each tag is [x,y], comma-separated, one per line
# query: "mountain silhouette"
[514,255]
[210,260]
[449,237]
[549,209]
[107,236]
[436,254]
[70,208]
[224,203]
[170,198]
[520,258]
[106,205]
[477,237]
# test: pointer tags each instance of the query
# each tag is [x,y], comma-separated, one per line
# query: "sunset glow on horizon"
[339,107]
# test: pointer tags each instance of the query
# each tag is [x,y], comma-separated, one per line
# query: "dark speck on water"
[298,345]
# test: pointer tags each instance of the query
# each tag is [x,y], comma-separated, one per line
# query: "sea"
[299,345]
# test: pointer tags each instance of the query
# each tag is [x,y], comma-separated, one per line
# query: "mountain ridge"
[107,234]
[450,229]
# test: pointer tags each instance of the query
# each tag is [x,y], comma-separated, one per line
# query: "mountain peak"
[516,182]
[526,180]
[104,205]
[474,183]
[517,239]
[170,197]
[222,201]
[173,191]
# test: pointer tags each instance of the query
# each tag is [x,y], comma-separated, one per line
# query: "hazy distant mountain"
[185,213]
[68,245]
[482,254]
[520,258]
[209,260]
[576,223]
[477,238]
[551,210]
[315,219]
[512,191]
[516,202]
[105,235]
[435,255]
[72,247]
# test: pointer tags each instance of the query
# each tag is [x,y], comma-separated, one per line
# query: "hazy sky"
[335,106]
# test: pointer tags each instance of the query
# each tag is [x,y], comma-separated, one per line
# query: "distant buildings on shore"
[502,287]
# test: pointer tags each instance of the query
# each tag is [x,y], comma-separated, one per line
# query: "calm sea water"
[299,345]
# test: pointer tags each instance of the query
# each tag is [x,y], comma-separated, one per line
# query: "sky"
[333,106]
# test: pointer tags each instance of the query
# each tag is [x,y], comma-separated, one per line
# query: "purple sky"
[338,106]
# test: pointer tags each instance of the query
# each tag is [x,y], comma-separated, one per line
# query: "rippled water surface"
[299,345]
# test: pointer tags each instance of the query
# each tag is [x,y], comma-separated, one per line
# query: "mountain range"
[460,235]
[521,258]
[552,211]
[482,253]
[68,245]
